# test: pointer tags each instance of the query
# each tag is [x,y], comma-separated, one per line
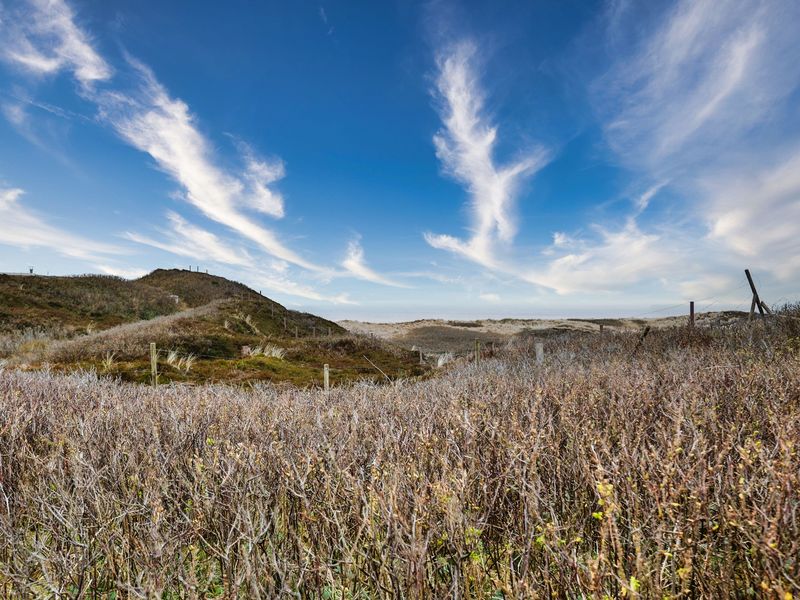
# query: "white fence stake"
[326,377]
[539,346]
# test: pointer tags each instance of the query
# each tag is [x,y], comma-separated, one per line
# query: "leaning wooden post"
[539,346]
[326,377]
[601,329]
[153,364]
[691,314]
[477,352]
[756,303]
[421,358]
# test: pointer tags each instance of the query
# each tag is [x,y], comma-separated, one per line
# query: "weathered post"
[295,332]
[539,347]
[477,352]
[691,314]
[153,364]
[421,358]
[757,301]
[326,377]
[601,329]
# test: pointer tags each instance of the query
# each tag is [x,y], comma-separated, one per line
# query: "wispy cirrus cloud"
[124,272]
[163,127]
[756,214]
[45,40]
[702,75]
[185,239]
[703,96]
[25,228]
[612,261]
[355,264]
[465,146]
[42,38]
[691,101]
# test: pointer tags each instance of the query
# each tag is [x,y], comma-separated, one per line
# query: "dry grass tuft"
[665,470]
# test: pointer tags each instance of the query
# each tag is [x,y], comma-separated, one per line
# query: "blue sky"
[399,160]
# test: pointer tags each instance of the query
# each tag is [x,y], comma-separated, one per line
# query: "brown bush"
[667,470]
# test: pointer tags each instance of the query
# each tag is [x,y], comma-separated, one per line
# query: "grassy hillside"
[199,322]
[75,304]
[195,289]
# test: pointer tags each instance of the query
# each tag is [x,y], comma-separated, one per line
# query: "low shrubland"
[661,467]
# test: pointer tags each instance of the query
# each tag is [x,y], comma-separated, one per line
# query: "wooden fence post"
[421,359]
[326,377]
[691,314]
[153,364]
[757,301]
[477,352]
[539,347]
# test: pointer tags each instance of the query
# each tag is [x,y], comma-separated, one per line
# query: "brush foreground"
[670,470]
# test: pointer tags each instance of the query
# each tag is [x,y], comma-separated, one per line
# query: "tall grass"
[667,470]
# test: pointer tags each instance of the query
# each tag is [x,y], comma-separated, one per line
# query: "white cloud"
[42,39]
[185,239]
[125,272]
[279,283]
[163,127]
[23,228]
[701,98]
[614,261]
[756,215]
[708,72]
[356,265]
[433,276]
[191,241]
[45,39]
[259,173]
[643,201]
[465,147]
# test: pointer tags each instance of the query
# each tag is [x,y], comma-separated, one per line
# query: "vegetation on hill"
[618,468]
[75,304]
[196,289]
[200,322]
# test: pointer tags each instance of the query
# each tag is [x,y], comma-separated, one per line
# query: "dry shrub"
[130,340]
[668,470]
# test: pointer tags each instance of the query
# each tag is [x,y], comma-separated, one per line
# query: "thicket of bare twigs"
[667,470]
